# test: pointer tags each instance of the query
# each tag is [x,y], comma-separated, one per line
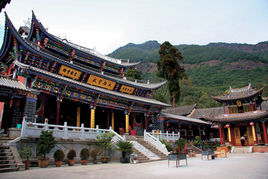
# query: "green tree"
[45,143]
[133,73]
[170,68]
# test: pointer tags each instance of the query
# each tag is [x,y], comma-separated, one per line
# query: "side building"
[65,82]
[243,118]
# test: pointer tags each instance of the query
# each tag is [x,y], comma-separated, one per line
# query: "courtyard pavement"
[252,165]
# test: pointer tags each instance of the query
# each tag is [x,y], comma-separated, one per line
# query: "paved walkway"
[253,165]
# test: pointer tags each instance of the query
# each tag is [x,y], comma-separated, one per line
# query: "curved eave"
[128,65]
[105,92]
[183,118]
[34,20]
[6,42]
[225,99]
[144,86]
[239,117]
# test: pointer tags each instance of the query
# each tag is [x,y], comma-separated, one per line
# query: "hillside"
[211,68]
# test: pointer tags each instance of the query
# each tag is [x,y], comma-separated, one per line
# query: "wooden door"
[237,136]
[250,136]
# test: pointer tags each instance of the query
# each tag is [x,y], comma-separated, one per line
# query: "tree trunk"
[174,104]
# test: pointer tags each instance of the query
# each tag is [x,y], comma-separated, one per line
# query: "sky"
[106,25]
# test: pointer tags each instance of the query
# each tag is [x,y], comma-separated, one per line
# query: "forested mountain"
[211,68]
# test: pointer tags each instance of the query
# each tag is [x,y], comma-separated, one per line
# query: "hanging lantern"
[179,126]
[227,125]
[167,124]
[252,123]
[190,127]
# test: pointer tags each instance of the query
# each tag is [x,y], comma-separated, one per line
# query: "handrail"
[155,142]
[166,136]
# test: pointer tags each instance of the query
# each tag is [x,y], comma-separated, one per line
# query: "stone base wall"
[66,146]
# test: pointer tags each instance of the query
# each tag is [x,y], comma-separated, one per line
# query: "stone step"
[8,165]
[11,169]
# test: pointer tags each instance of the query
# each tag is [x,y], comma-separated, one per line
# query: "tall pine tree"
[170,68]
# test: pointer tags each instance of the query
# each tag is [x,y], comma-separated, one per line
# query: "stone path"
[253,165]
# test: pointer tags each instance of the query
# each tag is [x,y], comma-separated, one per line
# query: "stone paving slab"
[251,166]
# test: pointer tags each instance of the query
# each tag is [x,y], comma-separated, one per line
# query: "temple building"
[242,121]
[64,82]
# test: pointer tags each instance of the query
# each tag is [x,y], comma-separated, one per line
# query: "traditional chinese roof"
[204,113]
[238,94]
[11,83]
[3,4]
[237,117]
[182,118]
[98,90]
[181,110]
[45,53]
[118,62]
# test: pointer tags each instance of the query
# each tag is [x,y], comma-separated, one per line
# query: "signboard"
[69,72]
[97,81]
[126,89]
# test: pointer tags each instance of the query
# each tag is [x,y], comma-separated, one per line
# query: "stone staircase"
[141,157]
[7,161]
[244,149]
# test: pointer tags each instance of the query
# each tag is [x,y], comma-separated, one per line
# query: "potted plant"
[59,156]
[180,143]
[71,155]
[126,148]
[45,143]
[84,155]
[94,153]
[104,141]
[26,153]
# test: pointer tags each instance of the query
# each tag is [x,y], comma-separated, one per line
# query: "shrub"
[104,141]
[197,141]
[45,143]
[180,143]
[168,145]
[84,154]
[94,153]
[59,155]
[26,153]
[71,154]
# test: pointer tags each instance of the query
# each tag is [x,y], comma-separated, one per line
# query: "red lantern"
[227,125]
[167,124]
[179,126]
[252,123]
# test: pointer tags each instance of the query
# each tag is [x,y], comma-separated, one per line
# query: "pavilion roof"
[238,94]
[93,88]
[12,83]
[43,52]
[237,117]
[180,110]
[120,62]
[183,118]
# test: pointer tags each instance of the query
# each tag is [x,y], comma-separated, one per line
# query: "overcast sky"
[109,24]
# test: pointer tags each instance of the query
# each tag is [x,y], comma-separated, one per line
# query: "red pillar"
[58,112]
[229,109]
[264,133]
[251,106]
[224,108]
[220,133]
[223,136]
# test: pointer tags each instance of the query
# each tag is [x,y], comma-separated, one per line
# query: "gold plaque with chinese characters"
[97,81]
[69,72]
[126,89]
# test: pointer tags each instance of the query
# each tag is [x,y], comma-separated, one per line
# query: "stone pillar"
[127,121]
[264,133]
[253,133]
[78,116]
[92,116]
[112,119]
[30,105]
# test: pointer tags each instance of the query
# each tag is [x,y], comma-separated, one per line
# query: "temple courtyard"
[248,165]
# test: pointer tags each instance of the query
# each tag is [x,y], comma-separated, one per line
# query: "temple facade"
[64,82]
[242,121]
